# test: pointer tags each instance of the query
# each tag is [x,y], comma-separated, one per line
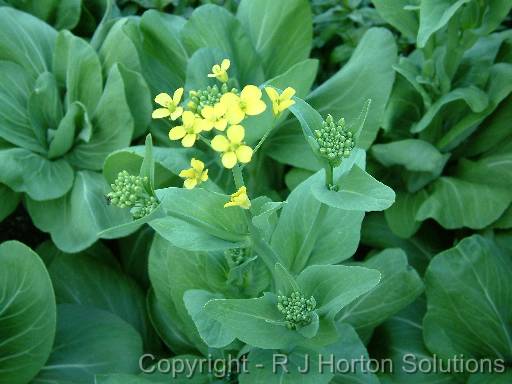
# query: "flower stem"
[329,176]
[238,176]
[205,140]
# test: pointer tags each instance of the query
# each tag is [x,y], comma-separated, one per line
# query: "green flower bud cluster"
[128,191]
[209,96]
[237,256]
[335,140]
[296,309]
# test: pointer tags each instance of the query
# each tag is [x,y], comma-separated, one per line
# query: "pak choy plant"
[242,275]
[64,109]
[445,148]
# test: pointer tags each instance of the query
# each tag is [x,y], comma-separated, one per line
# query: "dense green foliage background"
[85,290]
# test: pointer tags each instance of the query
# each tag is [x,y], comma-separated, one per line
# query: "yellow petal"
[286,104]
[255,107]
[163,99]
[272,93]
[189,140]
[229,160]
[220,143]
[219,110]
[188,118]
[201,125]
[177,133]
[208,113]
[250,92]
[188,173]
[235,115]
[160,112]
[197,165]
[221,124]
[177,113]
[176,98]
[244,153]
[236,134]
[225,64]
[230,204]
[204,176]
[190,183]
[216,69]
[288,93]
[229,99]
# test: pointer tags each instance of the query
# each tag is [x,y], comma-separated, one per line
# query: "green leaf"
[27,313]
[8,201]
[117,47]
[89,341]
[371,64]
[413,154]
[226,34]
[468,292]
[273,25]
[357,191]
[26,41]
[82,279]
[399,287]
[78,68]
[456,203]
[395,13]
[38,177]
[205,210]
[112,126]
[76,120]
[147,169]
[401,216]
[335,286]
[212,332]
[434,15]
[491,378]
[254,321]
[75,220]
[263,367]
[123,379]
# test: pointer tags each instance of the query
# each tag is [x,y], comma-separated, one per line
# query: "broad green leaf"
[358,191]
[263,367]
[40,178]
[205,210]
[456,203]
[505,221]
[469,294]
[63,14]
[395,13]
[75,219]
[89,341]
[401,216]
[76,120]
[491,378]
[434,15]
[117,378]
[112,126]
[413,154]
[400,286]
[335,286]
[27,313]
[78,68]
[26,41]
[226,34]
[368,75]
[134,253]
[310,233]
[254,321]
[130,225]
[117,47]
[82,279]
[15,89]
[8,201]
[212,332]
[272,25]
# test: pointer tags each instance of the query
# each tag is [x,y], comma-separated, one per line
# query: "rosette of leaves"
[61,114]
[446,146]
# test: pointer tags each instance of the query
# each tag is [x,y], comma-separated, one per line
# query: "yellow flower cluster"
[223,112]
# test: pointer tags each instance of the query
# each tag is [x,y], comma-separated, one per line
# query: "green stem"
[205,140]
[329,176]
[262,140]
[238,176]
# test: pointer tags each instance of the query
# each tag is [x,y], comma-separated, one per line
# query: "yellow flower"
[248,103]
[170,105]
[239,199]
[188,132]
[232,147]
[194,175]
[215,116]
[280,102]
[221,71]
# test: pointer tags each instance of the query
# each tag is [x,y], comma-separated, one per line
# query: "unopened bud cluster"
[296,309]
[209,96]
[335,140]
[237,256]
[128,192]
